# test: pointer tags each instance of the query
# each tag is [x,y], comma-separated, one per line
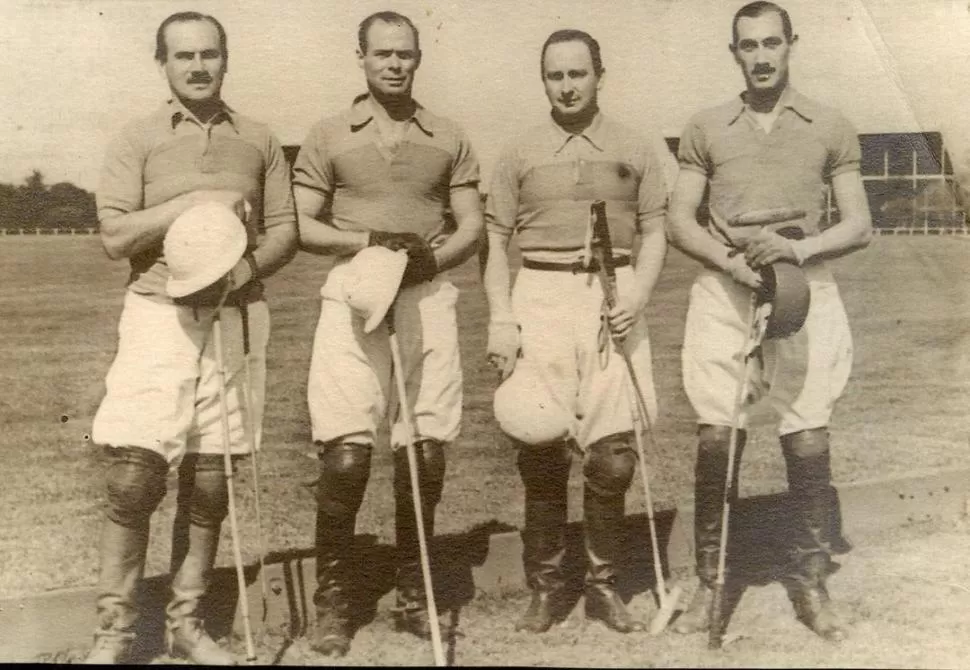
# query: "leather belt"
[575,267]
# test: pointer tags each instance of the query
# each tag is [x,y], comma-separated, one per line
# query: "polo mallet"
[759,217]
[409,427]
[227,462]
[751,341]
[602,249]
[251,420]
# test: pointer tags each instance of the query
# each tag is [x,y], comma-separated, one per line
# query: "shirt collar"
[594,133]
[362,113]
[790,99]
[179,113]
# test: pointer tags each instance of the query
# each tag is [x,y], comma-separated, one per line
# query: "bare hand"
[767,247]
[240,275]
[742,273]
[503,346]
[623,317]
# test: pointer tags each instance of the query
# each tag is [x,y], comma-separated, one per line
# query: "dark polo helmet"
[785,287]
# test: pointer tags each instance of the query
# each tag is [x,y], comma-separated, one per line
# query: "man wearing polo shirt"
[549,329]
[770,148]
[383,173]
[161,409]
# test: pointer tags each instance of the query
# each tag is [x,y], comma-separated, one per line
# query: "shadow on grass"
[757,555]
[759,544]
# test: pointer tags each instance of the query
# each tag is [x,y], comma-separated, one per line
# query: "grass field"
[904,410]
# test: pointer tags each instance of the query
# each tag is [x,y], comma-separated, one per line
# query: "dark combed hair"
[161,48]
[753,10]
[573,35]
[386,17]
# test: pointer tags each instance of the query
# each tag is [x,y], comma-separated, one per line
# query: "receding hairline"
[181,18]
[388,18]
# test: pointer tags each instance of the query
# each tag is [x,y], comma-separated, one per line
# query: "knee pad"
[808,459]
[609,466]
[203,489]
[135,485]
[344,471]
[430,455]
[805,443]
[545,470]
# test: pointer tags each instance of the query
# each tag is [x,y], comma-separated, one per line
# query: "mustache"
[200,79]
[762,69]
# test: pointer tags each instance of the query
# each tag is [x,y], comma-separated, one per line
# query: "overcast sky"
[76,70]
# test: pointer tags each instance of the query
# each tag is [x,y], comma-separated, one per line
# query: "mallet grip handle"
[764,217]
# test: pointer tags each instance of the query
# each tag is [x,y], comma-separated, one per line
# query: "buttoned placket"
[205,154]
[579,162]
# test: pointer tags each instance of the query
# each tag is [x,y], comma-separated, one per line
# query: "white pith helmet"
[372,282]
[201,246]
[525,410]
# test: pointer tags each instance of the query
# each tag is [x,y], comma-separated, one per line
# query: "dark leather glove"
[422,265]
[393,241]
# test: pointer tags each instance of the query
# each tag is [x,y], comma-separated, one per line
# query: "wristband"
[806,248]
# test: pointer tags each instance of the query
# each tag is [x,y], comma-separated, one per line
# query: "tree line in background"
[35,205]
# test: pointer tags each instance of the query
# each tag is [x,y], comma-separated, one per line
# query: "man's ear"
[794,38]
[417,60]
[360,59]
[599,80]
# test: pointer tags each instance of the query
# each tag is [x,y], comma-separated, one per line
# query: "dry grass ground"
[904,411]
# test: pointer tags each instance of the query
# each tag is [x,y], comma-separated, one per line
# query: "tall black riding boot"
[813,507]
[411,611]
[344,471]
[608,470]
[545,474]
[710,472]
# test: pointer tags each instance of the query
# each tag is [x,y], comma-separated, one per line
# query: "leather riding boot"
[135,484]
[184,631]
[334,627]
[811,600]
[710,471]
[122,565]
[545,473]
[543,548]
[411,610]
[608,469]
[812,498]
[344,471]
[602,519]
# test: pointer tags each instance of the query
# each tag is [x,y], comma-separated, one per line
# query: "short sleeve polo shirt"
[368,187]
[749,169]
[169,153]
[545,181]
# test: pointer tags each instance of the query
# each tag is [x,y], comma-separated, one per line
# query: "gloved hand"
[503,346]
[422,265]
[235,285]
